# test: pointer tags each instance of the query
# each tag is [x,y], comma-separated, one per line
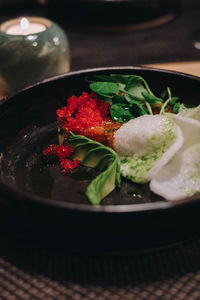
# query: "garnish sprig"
[170,101]
[129,95]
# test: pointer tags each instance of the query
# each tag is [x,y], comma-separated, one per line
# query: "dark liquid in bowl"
[29,171]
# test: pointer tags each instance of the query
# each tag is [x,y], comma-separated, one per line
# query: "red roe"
[62,152]
[82,113]
[85,115]
[68,165]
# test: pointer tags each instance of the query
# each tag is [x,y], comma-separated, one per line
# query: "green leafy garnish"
[106,89]
[104,159]
[177,107]
[170,101]
[151,99]
[135,88]
[121,112]
[130,96]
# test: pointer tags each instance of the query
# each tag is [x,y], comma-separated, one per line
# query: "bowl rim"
[128,208]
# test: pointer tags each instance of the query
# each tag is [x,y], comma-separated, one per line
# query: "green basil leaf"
[103,159]
[151,99]
[165,95]
[120,78]
[119,99]
[177,107]
[103,184]
[121,86]
[121,112]
[173,100]
[129,98]
[135,88]
[138,109]
[106,89]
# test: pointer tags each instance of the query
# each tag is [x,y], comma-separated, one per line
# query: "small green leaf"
[138,109]
[151,99]
[121,86]
[164,95]
[102,185]
[135,88]
[177,107]
[106,89]
[129,98]
[173,100]
[120,78]
[121,112]
[103,159]
[138,79]
[119,99]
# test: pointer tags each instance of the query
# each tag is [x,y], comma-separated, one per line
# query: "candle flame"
[24,23]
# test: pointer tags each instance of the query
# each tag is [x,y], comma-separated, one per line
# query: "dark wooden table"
[94,46]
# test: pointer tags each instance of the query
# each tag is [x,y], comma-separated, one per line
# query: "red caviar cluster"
[85,115]
[82,113]
[62,152]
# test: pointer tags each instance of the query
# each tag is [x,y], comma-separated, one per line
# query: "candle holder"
[30,57]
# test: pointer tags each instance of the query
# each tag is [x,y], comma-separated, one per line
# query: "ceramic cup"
[28,58]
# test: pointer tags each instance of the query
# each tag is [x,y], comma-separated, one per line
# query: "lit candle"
[31,49]
[25,27]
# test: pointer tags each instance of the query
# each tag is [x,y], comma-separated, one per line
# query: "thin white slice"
[180,178]
[190,129]
[174,181]
[193,113]
[146,144]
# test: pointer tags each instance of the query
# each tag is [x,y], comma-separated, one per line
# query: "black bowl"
[53,206]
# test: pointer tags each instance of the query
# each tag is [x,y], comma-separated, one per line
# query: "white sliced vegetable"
[175,180]
[193,113]
[181,177]
[146,144]
[190,129]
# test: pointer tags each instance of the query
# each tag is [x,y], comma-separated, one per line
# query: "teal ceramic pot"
[27,59]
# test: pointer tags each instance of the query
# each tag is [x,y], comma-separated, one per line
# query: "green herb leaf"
[138,109]
[173,100]
[102,185]
[119,99]
[136,105]
[151,99]
[135,88]
[164,95]
[120,78]
[177,107]
[106,89]
[95,155]
[121,112]
[130,96]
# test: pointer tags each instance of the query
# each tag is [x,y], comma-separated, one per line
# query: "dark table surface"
[32,270]
[93,46]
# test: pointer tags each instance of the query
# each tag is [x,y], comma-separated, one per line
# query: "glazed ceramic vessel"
[27,59]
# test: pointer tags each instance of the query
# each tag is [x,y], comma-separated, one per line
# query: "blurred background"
[120,32]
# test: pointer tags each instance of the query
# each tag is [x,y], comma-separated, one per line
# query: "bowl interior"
[28,125]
